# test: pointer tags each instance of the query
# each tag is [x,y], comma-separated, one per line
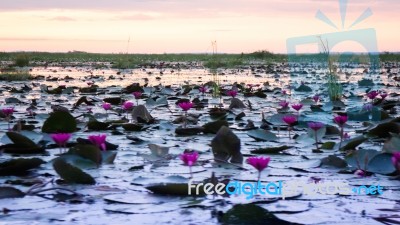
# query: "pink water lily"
[289,119]
[7,111]
[185,106]
[315,125]
[232,93]
[360,173]
[99,141]
[297,107]
[203,89]
[368,107]
[137,94]
[396,160]
[259,163]
[106,106]
[340,120]
[127,105]
[61,139]
[372,94]
[189,159]
[284,104]
[316,98]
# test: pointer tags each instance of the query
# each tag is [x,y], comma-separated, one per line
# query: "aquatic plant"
[185,106]
[290,120]
[259,163]
[315,126]
[99,141]
[61,139]
[189,159]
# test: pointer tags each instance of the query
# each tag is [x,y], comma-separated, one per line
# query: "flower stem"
[341,137]
[316,140]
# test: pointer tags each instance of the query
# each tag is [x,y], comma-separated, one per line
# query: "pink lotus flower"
[284,92]
[284,104]
[260,163]
[99,141]
[61,139]
[372,94]
[396,160]
[7,111]
[127,105]
[297,107]
[289,120]
[346,136]
[137,94]
[360,173]
[90,83]
[340,120]
[315,125]
[185,106]
[106,106]
[383,95]
[203,89]
[232,93]
[316,98]
[190,158]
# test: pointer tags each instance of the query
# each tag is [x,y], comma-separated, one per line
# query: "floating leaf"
[393,144]
[328,145]
[382,164]
[226,145]
[359,159]
[72,174]
[352,143]
[334,161]
[383,130]
[108,157]
[158,102]
[270,150]
[20,140]
[262,135]
[213,127]
[59,122]
[242,214]
[10,192]
[188,130]
[174,189]
[90,152]
[19,166]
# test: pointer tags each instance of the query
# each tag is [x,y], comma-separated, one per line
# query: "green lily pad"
[328,145]
[181,189]
[334,161]
[59,122]
[383,130]
[270,150]
[243,214]
[20,140]
[392,145]
[90,152]
[213,127]
[262,135]
[352,143]
[382,164]
[19,166]
[72,174]
[360,159]
[10,192]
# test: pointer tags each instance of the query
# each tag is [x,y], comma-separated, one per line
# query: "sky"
[190,26]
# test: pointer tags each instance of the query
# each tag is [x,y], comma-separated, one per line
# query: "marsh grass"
[15,76]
